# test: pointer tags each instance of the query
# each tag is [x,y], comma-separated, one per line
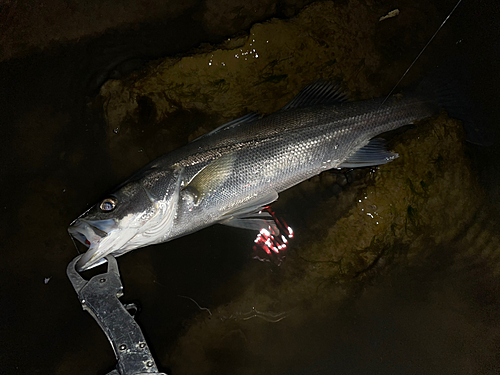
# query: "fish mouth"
[91,234]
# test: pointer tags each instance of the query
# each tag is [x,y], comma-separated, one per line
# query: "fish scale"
[292,146]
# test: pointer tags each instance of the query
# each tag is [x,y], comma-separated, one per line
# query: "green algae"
[251,74]
[406,202]
[259,72]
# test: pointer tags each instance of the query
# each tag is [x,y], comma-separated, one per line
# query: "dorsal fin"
[252,116]
[319,92]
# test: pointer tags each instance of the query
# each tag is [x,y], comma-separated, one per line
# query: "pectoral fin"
[210,178]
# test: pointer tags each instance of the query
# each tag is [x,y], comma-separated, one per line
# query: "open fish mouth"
[90,234]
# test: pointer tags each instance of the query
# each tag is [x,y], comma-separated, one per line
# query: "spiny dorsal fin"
[252,116]
[319,92]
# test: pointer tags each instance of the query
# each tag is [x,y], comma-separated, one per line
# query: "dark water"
[422,320]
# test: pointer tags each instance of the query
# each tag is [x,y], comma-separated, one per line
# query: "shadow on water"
[418,320]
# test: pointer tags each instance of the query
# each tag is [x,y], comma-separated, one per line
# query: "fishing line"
[196,303]
[74,243]
[422,51]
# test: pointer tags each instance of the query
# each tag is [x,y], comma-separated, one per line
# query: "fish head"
[139,213]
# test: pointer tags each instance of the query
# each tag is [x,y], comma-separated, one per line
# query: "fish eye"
[108,204]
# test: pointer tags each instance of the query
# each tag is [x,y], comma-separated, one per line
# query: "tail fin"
[443,88]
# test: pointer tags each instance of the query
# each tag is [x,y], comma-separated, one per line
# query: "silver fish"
[228,175]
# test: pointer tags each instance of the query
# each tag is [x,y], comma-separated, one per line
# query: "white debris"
[392,13]
[47,279]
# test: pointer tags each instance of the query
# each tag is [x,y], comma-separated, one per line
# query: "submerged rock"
[424,198]
[178,99]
